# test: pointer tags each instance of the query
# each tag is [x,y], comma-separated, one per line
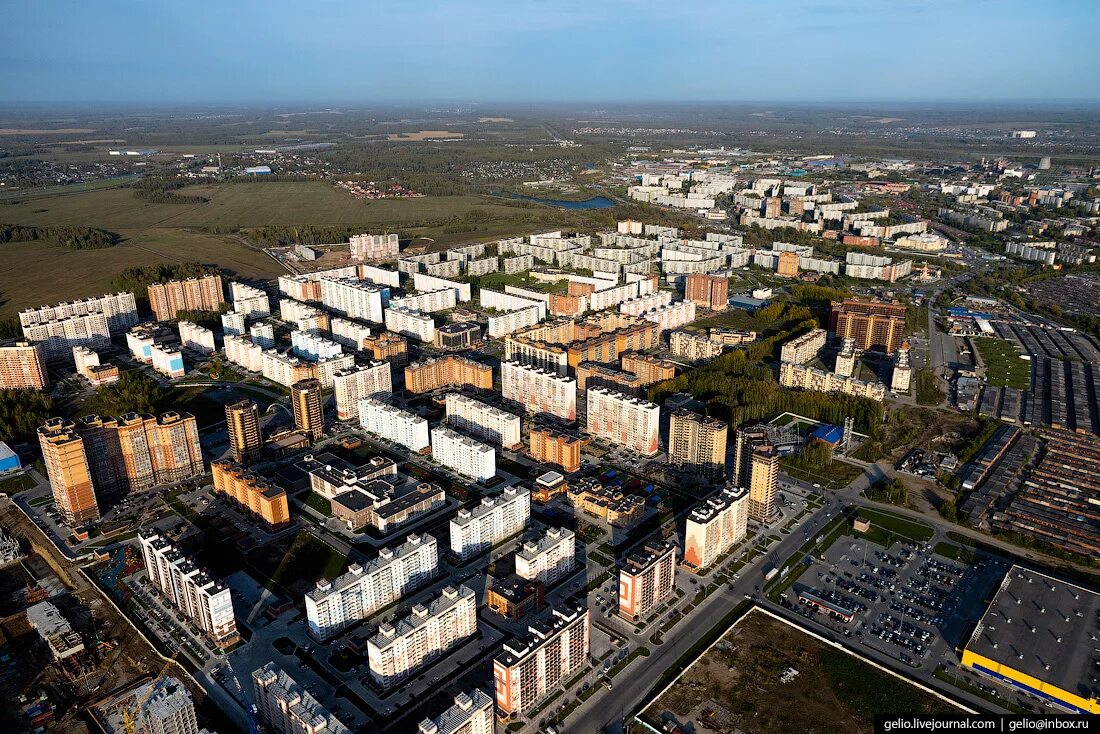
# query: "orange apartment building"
[788,264]
[567,305]
[449,371]
[251,492]
[390,347]
[646,578]
[590,374]
[242,422]
[69,472]
[193,294]
[707,291]
[551,446]
[23,367]
[647,368]
[872,324]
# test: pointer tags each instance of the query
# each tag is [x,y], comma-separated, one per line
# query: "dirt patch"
[424,135]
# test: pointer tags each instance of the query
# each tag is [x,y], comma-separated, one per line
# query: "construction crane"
[130,714]
[249,708]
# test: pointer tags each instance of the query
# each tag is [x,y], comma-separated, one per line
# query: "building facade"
[242,423]
[450,371]
[697,443]
[716,525]
[538,390]
[624,420]
[307,403]
[394,424]
[646,578]
[530,669]
[463,454]
[476,530]
[371,380]
[193,294]
[549,558]
[23,367]
[483,421]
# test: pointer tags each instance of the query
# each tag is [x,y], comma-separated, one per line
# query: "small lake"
[596,202]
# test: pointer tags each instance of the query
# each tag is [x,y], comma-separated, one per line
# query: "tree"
[22,412]
[135,392]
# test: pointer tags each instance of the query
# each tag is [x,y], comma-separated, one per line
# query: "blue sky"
[230,51]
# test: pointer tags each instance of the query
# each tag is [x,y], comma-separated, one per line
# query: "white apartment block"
[808,378]
[483,421]
[693,346]
[119,309]
[517,264]
[167,360]
[284,707]
[394,424]
[672,315]
[538,390]
[862,265]
[463,454]
[263,335]
[380,276]
[476,530]
[641,304]
[197,338]
[612,296]
[294,312]
[715,526]
[244,353]
[335,605]
[422,282]
[375,246]
[250,301]
[233,324]
[428,301]
[206,602]
[804,348]
[472,713]
[621,419]
[548,559]
[314,348]
[429,631]
[59,336]
[354,298]
[371,380]
[531,668]
[510,301]
[413,324]
[513,321]
[350,334]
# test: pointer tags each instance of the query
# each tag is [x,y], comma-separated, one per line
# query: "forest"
[72,237]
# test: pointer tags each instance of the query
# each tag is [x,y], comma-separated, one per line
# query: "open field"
[424,135]
[1003,366]
[736,684]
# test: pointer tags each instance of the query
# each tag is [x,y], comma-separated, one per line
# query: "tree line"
[22,412]
[70,236]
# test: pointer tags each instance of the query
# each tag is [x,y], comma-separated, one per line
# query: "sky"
[318,51]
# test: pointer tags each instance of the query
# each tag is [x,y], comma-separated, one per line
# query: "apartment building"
[23,366]
[252,492]
[872,324]
[388,347]
[394,424]
[513,321]
[88,367]
[167,360]
[693,346]
[548,559]
[192,294]
[457,337]
[475,530]
[200,598]
[197,338]
[375,246]
[716,525]
[621,419]
[350,334]
[707,291]
[538,390]
[807,378]
[242,423]
[118,309]
[263,335]
[428,632]
[168,709]
[697,443]
[846,359]
[441,299]
[370,380]
[333,606]
[607,504]
[590,374]
[313,348]
[641,304]
[463,454]
[523,350]
[648,369]
[411,324]
[552,446]
[249,300]
[472,713]
[531,668]
[233,324]
[483,421]
[68,470]
[451,371]
[58,337]
[646,578]
[802,349]
[354,298]
[284,707]
[307,403]
[902,376]
[672,316]
[756,466]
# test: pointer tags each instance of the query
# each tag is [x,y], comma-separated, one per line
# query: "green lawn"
[897,524]
[16,484]
[306,560]
[834,475]
[1003,365]
[316,502]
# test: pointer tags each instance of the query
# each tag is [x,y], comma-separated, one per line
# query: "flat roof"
[1043,627]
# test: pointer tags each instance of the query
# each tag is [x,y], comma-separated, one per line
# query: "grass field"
[1003,366]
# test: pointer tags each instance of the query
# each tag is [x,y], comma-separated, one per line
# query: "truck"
[771,573]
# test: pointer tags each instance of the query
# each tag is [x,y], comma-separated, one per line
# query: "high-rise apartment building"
[335,605]
[242,423]
[354,298]
[252,492]
[388,347]
[23,367]
[429,631]
[716,525]
[58,337]
[902,376]
[621,419]
[756,466]
[803,348]
[552,446]
[308,405]
[872,324]
[548,559]
[193,294]
[646,578]
[808,378]
[463,454]
[472,713]
[693,346]
[707,291]
[203,600]
[233,324]
[69,472]
[411,324]
[119,310]
[533,667]
[483,421]
[477,529]
[451,371]
[393,424]
[697,443]
[647,369]
[168,709]
[538,390]
[249,300]
[846,359]
[786,264]
[197,338]
[370,380]
[284,707]
[374,246]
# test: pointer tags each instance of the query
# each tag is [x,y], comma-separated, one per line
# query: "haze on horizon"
[208,52]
